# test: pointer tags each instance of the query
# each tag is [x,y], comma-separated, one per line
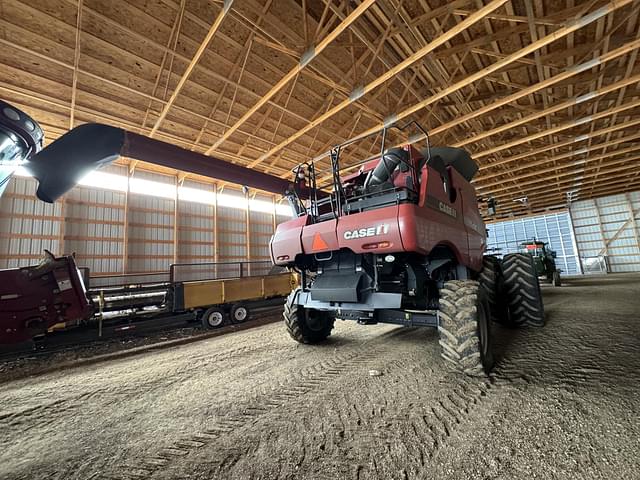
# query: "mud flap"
[337,287]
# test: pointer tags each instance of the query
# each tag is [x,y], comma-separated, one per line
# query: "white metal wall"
[232,230]
[608,226]
[27,225]
[150,227]
[555,229]
[261,225]
[113,232]
[196,228]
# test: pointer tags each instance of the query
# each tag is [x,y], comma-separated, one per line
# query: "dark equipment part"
[91,146]
[492,282]
[522,290]
[20,135]
[465,327]
[458,158]
[34,299]
[390,160]
[544,260]
[306,325]
[88,147]
[20,138]
[492,205]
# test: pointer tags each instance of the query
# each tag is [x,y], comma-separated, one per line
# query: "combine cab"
[399,240]
[544,259]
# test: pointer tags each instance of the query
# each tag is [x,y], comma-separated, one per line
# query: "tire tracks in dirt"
[55,410]
[303,382]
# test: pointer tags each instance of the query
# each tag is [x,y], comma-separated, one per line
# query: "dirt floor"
[564,403]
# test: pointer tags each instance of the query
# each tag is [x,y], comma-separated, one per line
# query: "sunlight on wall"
[111,181]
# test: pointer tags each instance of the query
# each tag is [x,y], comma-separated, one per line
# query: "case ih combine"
[399,241]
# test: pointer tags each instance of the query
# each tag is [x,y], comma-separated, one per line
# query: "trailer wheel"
[556,279]
[213,318]
[239,313]
[465,327]
[306,325]
[522,289]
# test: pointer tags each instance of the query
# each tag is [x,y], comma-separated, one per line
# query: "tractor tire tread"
[458,327]
[294,323]
[523,290]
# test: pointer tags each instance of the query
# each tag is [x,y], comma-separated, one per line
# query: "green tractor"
[544,259]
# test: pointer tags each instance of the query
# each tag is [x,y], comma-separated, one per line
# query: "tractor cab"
[543,259]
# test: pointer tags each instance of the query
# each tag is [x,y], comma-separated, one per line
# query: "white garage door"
[554,229]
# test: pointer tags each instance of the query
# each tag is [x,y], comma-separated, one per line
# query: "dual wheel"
[215,317]
[506,292]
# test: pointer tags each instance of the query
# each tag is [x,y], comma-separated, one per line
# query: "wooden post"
[634,225]
[248,228]
[215,223]
[125,235]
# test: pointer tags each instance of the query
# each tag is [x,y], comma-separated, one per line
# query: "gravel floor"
[564,402]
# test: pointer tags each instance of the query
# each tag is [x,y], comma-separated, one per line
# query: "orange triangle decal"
[318,243]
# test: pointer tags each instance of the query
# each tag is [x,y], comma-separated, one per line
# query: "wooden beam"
[560,33]
[304,61]
[555,168]
[634,224]
[194,61]
[559,128]
[573,141]
[389,74]
[173,39]
[550,110]
[479,179]
[76,62]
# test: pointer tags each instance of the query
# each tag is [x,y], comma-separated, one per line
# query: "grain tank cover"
[457,158]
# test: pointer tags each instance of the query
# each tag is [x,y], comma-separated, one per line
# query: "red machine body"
[381,243]
[446,214]
[34,299]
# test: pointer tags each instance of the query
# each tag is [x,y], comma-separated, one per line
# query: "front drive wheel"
[556,279]
[306,325]
[465,327]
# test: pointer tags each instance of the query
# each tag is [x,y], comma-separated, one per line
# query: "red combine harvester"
[401,241]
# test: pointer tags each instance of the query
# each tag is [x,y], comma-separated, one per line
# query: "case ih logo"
[366,232]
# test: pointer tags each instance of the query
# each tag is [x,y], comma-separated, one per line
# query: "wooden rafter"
[194,61]
[544,95]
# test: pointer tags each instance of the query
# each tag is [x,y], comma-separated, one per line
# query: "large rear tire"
[306,325]
[522,289]
[465,327]
[491,282]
